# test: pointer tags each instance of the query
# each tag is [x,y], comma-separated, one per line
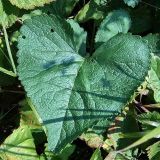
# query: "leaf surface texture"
[72,93]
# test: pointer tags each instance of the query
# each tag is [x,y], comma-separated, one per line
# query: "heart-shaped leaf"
[71,93]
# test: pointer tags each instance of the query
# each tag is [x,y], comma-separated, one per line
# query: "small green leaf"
[27,116]
[123,127]
[29,4]
[128,155]
[149,120]
[153,42]
[94,9]
[92,140]
[19,145]
[154,151]
[131,3]
[66,152]
[116,22]
[63,155]
[79,37]
[96,155]
[153,78]
[62,8]
[31,14]
[121,157]
[152,134]
[71,93]
[8,13]
[101,126]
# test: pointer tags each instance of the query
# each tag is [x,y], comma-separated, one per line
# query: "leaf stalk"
[9,49]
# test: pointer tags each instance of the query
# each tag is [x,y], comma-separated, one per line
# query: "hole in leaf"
[24,37]
[52,30]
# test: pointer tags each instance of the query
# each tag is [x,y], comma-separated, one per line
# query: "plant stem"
[9,49]
[11,91]
[150,5]
[133,135]
[6,113]
[152,105]
[10,73]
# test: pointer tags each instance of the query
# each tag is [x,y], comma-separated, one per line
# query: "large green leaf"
[72,93]
[116,22]
[29,4]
